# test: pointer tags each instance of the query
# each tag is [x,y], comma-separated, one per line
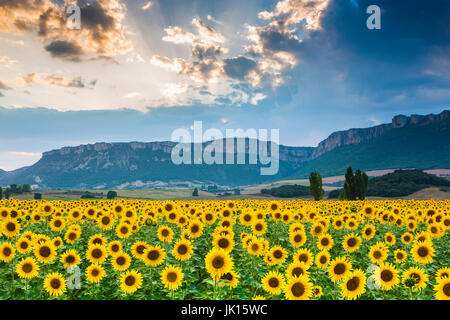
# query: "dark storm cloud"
[238,68]
[65,49]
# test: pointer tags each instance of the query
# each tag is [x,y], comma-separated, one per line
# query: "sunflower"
[121,261]
[255,247]
[317,229]
[57,242]
[351,224]
[297,238]
[325,242]
[418,276]
[138,249]
[105,221]
[278,254]
[208,218]
[351,242]
[229,279]
[23,245]
[172,277]
[70,258]
[10,227]
[218,262]
[443,272]
[400,255]
[273,282]
[304,255]
[114,247]
[354,285]
[224,242]
[182,250]
[386,276]
[71,236]
[95,273]
[322,259]
[378,253]
[96,254]
[423,236]
[123,230]
[339,268]
[368,232]
[75,215]
[442,289]
[298,288]
[57,224]
[247,217]
[422,252]
[154,256]
[131,281]
[317,291]
[97,239]
[45,252]
[27,268]
[259,227]
[389,238]
[195,229]
[296,269]
[55,284]
[338,223]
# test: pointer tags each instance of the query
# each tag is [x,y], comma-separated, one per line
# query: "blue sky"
[137,70]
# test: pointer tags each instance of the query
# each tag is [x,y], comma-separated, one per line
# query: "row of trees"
[355,185]
[14,189]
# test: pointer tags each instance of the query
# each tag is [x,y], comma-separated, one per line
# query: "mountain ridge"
[142,164]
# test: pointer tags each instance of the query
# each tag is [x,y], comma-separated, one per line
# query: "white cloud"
[257,97]
[11,160]
[147,6]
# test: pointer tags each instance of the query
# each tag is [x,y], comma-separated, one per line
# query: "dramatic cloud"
[101,34]
[55,80]
[4,86]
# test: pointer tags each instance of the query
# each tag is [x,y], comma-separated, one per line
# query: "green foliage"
[111,195]
[287,191]
[315,185]
[1,193]
[26,188]
[403,182]
[195,193]
[37,196]
[355,185]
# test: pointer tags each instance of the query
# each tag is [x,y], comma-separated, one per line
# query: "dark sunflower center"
[106,220]
[303,257]
[339,268]
[247,217]
[124,230]
[227,276]
[55,283]
[72,236]
[58,223]
[45,252]
[298,238]
[194,228]
[27,268]
[95,272]
[298,289]
[386,275]
[258,227]
[70,259]
[352,242]
[297,271]
[446,289]
[115,247]
[153,254]
[377,254]
[274,282]
[368,232]
[325,241]
[224,243]
[11,226]
[121,261]
[353,284]
[277,254]
[97,253]
[182,249]
[423,252]
[140,249]
[172,277]
[218,262]
[7,251]
[323,259]
[130,281]
[23,245]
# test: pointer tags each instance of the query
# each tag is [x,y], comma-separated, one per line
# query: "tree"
[8,193]
[195,193]
[38,196]
[355,185]
[315,185]
[1,193]
[26,188]
[237,192]
[111,195]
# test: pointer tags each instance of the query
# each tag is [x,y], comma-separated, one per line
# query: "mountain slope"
[138,164]
[421,146]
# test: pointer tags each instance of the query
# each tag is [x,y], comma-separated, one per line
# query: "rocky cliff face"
[355,136]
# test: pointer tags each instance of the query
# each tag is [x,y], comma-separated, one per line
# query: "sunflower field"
[240,249]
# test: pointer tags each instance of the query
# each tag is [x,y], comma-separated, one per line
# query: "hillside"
[412,146]
[400,183]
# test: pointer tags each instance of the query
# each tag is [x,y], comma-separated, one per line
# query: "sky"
[137,70]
